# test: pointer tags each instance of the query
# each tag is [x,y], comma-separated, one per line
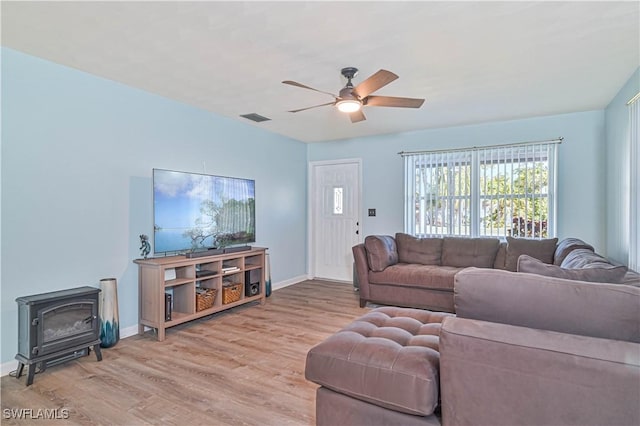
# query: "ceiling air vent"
[255,117]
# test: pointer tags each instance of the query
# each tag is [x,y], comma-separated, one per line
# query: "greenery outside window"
[506,190]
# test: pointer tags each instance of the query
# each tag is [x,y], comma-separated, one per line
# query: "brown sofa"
[419,272]
[523,349]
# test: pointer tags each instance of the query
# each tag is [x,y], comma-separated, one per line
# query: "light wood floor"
[241,367]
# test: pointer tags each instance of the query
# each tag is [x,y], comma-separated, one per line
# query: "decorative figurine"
[145,247]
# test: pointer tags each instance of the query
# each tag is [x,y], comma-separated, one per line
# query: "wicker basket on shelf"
[205,297]
[231,292]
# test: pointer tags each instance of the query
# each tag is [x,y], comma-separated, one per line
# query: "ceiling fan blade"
[294,83]
[315,106]
[357,116]
[392,101]
[373,83]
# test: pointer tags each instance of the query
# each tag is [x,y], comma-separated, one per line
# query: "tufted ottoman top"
[388,357]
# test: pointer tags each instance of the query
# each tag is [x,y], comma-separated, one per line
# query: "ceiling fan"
[351,99]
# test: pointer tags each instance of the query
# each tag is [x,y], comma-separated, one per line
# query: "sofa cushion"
[540,249]
[499,374]
[388,357]
[465,252]
[566,246]
[501,256]
[631,278]
[608,311]
[425,251]
[603,274]
[416,275]
[381,251]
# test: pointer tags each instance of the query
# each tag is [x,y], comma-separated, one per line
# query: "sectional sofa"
[522,349]
[532,333]
[419,272]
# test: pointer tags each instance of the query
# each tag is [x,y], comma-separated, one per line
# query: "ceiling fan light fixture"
[351,99]
[349,105]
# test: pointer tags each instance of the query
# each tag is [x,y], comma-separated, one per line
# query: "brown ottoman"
[385,366]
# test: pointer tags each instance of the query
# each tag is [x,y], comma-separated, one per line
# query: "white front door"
[335,218]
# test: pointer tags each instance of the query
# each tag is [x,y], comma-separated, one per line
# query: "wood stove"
[56,327]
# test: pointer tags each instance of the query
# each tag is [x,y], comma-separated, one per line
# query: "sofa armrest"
[362,269]
[610,311]
[498,374]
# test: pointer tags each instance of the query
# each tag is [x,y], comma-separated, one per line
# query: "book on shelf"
[229,269]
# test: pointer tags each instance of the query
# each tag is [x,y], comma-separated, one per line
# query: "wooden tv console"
[156,278]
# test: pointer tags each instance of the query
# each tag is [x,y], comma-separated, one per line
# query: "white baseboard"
[287,283]
[128,331]
[10,366]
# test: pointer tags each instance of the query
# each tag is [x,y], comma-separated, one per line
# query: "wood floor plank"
[244,366]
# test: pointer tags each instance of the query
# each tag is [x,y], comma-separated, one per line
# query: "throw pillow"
[540,249]
[465,252]
[583,258]
[610,274]
[424,251]
[566,246]
[381,251]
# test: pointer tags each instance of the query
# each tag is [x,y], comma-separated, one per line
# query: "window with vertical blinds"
[506,190]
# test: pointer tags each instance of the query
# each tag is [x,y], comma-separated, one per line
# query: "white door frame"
[311,208]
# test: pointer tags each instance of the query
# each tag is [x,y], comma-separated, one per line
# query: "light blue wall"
[77,155]
[618,152]
[581,167]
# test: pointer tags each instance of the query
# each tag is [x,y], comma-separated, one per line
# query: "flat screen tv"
[193,211]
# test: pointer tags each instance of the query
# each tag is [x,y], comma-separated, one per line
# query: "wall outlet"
[372,212]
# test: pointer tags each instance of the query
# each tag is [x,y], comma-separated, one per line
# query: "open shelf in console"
[208,269]
[178,275]
[251,262]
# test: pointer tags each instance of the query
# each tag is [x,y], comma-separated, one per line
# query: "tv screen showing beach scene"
[194,211]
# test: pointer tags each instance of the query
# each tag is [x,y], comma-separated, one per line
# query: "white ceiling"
[472,61]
